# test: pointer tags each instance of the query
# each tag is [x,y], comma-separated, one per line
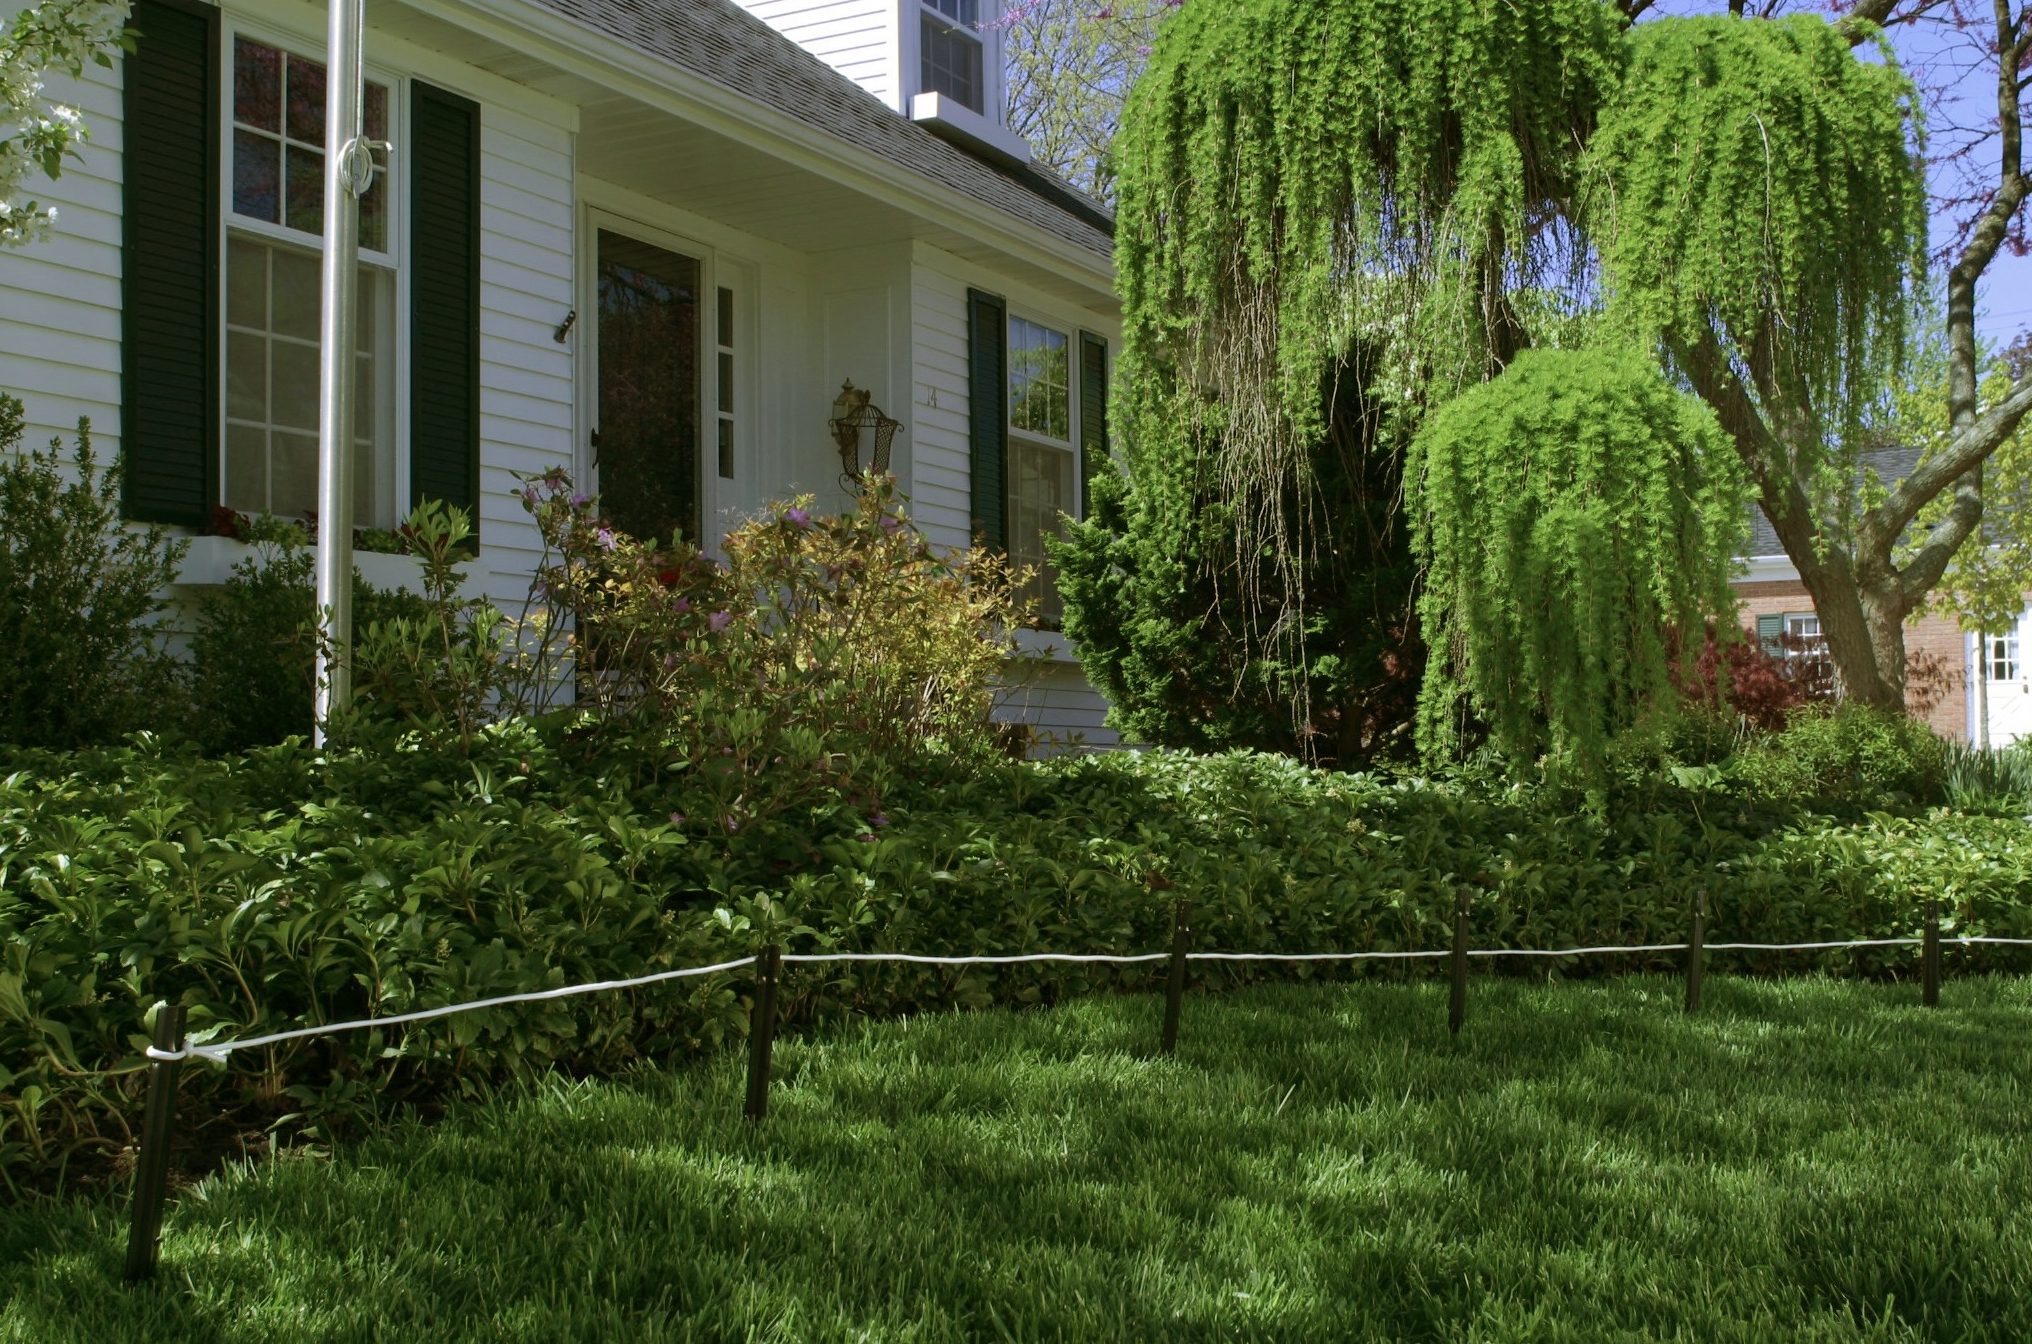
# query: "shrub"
[1744,678]
[255,637]
[1846,751]
[828,653]
[1197,644]
[289,886]
[80,661]
[445,663]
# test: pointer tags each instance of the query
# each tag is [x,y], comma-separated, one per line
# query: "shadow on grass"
[1809,1159]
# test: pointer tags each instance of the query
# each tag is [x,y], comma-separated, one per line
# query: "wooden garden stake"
[762,1028]
[158,1130]
[1457,1008]
[1174,988]
[1929,958]
[1696,951]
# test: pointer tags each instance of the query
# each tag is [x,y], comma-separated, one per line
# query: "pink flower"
[677,818]
[719,621]
[798,516]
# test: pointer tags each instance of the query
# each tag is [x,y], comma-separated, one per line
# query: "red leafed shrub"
[1761,687]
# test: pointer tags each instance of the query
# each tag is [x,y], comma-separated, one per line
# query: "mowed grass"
[1809,1160]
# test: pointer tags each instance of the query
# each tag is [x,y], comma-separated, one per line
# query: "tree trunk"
[1864,628]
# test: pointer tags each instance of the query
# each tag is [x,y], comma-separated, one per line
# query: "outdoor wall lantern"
[863,434]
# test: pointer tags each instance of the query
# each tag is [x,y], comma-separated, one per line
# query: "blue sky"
[1964,99]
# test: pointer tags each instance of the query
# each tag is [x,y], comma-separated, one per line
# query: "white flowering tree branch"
[37,134]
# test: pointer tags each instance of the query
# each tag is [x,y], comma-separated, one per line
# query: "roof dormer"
[938,62]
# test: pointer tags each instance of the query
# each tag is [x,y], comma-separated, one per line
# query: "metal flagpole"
[349,171]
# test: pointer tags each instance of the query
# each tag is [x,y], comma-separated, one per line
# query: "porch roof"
[699,101]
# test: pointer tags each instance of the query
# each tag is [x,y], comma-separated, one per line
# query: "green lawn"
[1809,1160]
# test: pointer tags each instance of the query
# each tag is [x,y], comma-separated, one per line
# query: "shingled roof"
[719,41]
[1892,465]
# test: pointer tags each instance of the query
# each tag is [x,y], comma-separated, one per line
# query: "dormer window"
[950,49]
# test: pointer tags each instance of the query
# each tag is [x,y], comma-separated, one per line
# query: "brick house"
[1776,606]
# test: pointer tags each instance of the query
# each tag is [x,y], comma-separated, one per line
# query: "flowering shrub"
[55,35]
[823,654]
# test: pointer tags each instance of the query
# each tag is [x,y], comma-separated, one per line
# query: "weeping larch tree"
[1728,213]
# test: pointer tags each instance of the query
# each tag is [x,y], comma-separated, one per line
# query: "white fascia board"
[1767,569]
[952,120]
[580,50]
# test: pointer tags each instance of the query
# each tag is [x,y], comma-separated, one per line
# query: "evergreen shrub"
[287,886]
[81,660]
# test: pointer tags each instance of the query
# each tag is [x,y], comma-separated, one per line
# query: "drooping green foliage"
[1754,184]
[1451,184]
[1573,515]
[1295,175]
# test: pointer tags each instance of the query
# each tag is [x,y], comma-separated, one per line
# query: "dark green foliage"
[256,635]
[1161,606]
[291,886]
[1846,751]
[1573,515]
[79,660]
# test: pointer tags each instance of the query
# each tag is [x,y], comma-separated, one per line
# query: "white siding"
[1061,707]
[60,298]
[526,403]
[1054,696]
[858,38]
[940,458]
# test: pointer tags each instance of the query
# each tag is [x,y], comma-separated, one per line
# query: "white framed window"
[2000,654]
[950,52]
[274,165]
[1043,458]
[1805,647]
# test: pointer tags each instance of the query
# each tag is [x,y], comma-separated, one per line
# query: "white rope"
[1571,951]
[1809,947]
[809,957]
[218,1050]
[1309,956]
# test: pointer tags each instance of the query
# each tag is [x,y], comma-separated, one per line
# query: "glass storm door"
[646,448]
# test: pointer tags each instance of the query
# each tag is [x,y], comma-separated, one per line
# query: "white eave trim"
[656,82]
[1767,569]
[959,124]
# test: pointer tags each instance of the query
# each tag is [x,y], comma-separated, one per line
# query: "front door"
[646,449]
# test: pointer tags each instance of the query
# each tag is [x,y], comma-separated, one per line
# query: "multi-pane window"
[274,243]
[2002,655]
[1043,465]
[949,52]
[1805,647]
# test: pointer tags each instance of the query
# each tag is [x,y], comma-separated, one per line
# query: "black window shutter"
[444,299]
[1093,413]
[988,412]
[1771,633]
[169,268]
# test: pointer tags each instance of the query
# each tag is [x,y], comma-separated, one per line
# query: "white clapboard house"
[798,193]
